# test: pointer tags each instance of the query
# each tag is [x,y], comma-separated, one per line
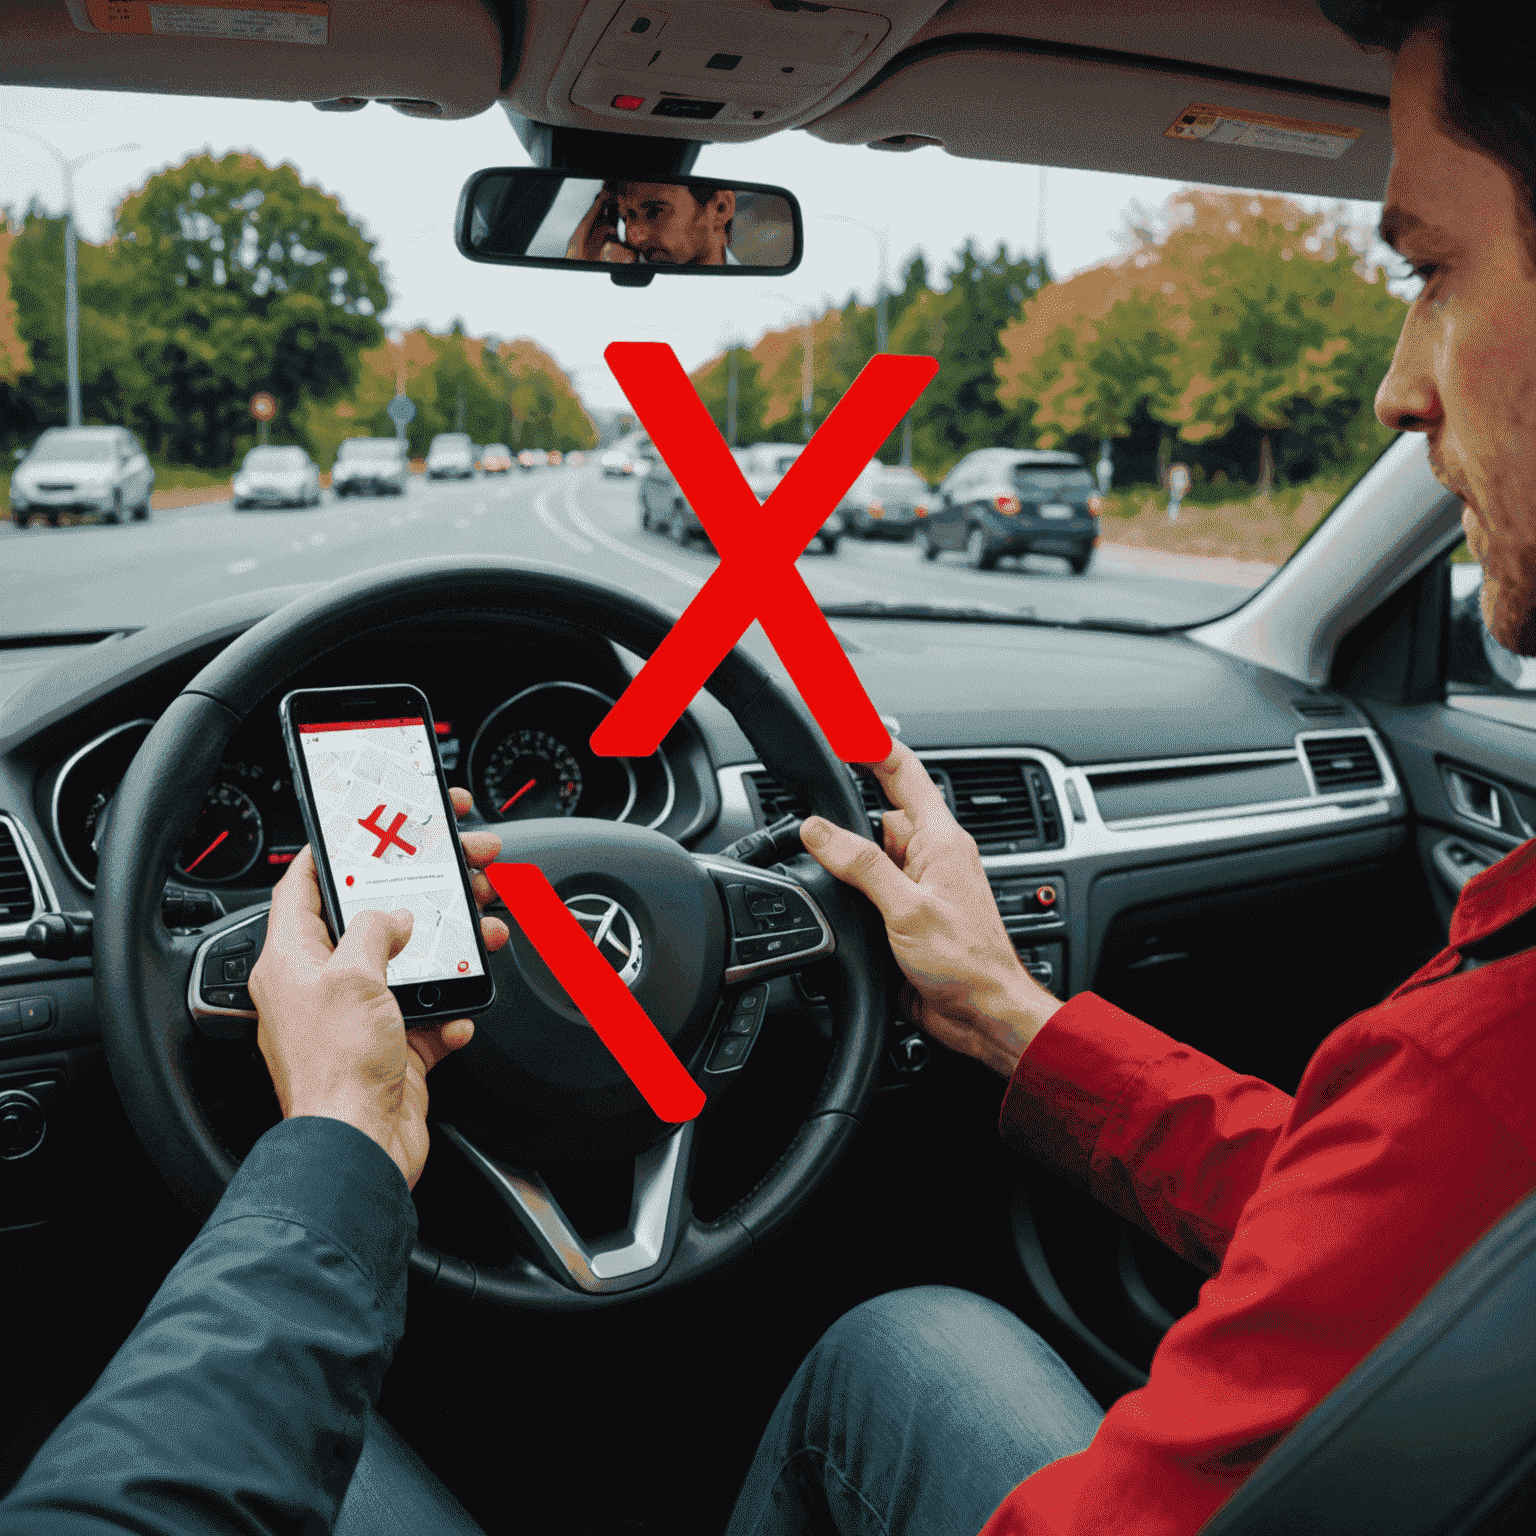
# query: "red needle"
[518,796]
[204,854]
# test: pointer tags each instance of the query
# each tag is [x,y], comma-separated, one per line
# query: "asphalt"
[92,577]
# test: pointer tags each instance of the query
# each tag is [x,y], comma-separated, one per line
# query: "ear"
[722,207]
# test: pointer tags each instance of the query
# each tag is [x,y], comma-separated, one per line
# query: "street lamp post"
[807,356]
[67,170]
[882,238]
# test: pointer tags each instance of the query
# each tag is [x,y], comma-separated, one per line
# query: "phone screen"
[389,839]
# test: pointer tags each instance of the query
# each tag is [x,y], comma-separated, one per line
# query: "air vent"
[1006,804]
[994,804]
[775,799]
[18,895]
[1318,709]
[1342,762]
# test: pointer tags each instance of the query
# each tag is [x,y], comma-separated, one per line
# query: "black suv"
[1015,501]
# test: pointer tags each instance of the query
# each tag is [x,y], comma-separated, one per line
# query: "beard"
[1508,596]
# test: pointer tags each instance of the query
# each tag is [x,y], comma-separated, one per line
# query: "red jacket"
[1322,1219]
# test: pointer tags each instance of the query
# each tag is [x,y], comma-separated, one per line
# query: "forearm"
[1164,1135]
[238,1403]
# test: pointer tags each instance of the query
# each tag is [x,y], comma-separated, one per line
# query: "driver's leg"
[916,1412]
[394,1492]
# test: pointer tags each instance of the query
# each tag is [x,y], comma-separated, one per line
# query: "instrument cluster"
[528,756]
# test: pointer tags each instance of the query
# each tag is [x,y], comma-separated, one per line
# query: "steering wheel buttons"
[765,904]
[729,1053]
[238,969]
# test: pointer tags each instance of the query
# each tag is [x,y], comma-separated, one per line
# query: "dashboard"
[520,757]
[514,711]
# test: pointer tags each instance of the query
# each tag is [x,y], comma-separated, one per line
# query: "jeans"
[914,1415]
[394,1493]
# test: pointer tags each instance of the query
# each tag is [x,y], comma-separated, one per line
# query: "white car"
[274,476]
[452,455]
[765,464]
[367,466]
[97,471]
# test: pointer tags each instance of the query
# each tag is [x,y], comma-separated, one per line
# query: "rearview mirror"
[522,217]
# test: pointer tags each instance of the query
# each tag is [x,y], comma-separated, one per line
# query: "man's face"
[667,223]
[1464,372]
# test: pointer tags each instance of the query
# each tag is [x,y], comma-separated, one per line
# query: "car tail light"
[876,509]
[1096,504]
[1007,505]
[920,510]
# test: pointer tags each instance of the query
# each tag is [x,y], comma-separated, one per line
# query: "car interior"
[1279,805]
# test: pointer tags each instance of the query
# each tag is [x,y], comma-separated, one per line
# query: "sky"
[400,177]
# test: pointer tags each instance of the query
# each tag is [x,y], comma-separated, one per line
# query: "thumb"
[858,862]
[374,939]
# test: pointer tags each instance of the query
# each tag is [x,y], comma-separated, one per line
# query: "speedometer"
[226,840]
[531,773]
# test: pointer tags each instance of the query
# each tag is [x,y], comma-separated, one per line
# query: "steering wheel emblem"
[613,930]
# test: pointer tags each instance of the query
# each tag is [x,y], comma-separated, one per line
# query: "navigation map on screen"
[389,838]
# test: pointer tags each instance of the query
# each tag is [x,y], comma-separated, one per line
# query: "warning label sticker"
[261,21]
[1260,130]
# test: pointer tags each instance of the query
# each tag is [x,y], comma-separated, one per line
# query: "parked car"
[370,466]
[887,501]
[553,458]
[496,459]
[1012,501]
[274,476]
[96,471]
[533,458]
[451,456]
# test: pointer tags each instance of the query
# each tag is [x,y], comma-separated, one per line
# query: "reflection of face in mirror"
[658,222]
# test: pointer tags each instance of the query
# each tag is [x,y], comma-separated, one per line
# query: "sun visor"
[1091,109]
[441,60]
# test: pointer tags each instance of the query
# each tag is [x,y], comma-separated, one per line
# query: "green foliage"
[223,277]
[752,395]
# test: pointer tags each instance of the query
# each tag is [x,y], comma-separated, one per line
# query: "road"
[90,578]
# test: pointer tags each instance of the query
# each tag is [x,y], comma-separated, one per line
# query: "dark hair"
[1487,71]
[702,192]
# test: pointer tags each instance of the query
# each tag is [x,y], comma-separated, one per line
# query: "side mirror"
[527,217]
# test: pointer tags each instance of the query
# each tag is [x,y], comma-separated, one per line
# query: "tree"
[234,276]
[1248,326]
[752,397]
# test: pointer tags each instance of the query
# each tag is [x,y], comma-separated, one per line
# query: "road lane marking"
[629,552]
[555,526]
[317,538]
[240,567]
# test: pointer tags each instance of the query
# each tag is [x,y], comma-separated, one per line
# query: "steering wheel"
[535,1082]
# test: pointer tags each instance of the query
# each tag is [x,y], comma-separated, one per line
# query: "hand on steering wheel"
[329,1028]
[965,985]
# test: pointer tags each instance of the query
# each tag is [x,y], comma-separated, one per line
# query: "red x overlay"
[758,546]
[594,986]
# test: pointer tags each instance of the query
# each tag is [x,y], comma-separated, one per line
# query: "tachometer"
[531,773]
[226,840]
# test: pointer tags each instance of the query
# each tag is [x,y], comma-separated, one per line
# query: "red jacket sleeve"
[1161,1134]
[1387,1167]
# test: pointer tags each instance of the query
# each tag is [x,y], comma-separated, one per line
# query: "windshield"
[276,458]
[1209,356]
[72,448]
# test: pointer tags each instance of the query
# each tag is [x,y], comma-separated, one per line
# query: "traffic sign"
[401,411]
[263,406]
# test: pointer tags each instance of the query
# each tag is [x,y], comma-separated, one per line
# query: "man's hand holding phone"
[329,1028]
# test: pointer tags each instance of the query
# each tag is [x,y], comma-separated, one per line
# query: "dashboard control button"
[10,1018]
[36,1012]
[742,1024]
[729,1053]
[22,1124]
[1045,896]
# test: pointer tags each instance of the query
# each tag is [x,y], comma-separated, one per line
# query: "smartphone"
[375,803]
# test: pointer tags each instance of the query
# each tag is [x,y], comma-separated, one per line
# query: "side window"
[1481,675]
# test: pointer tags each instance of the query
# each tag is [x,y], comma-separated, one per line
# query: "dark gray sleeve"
[238,1402]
